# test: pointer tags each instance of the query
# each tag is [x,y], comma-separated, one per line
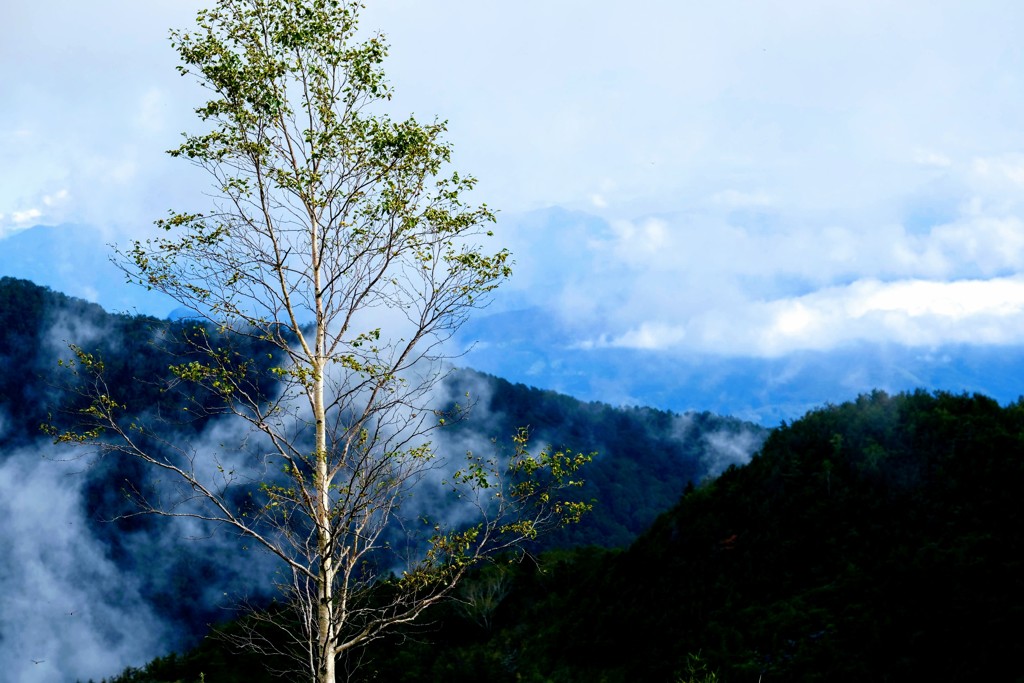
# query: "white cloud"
[736,174]
[767,284]
[91,113]
[690,104]
[638,242]
[647,336]
[58,197]
[727,448]
[914,313]
[63,601]
[52,211]
[911,312]
[1007,167]
[25,216]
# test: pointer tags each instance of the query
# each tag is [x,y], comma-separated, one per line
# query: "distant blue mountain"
[531,346]
[75,260]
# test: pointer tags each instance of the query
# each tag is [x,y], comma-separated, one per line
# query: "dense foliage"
[875,540]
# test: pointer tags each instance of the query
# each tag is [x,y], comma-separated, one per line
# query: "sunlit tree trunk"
[324,526]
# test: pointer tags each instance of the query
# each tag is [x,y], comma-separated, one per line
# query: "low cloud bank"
[917,313]
[67,611]
[738,276]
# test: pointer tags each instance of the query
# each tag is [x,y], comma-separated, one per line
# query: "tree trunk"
[325,578]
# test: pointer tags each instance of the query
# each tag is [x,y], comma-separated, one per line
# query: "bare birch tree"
[340,241]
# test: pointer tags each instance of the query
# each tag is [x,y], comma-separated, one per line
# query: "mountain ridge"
[646,458]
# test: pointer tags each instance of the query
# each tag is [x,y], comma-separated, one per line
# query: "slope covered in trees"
[645,456]
[875,540]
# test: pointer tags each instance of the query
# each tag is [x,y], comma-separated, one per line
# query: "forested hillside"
[645,458]
[878,540]
[875,540]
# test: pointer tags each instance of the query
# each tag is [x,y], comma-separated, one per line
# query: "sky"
[733,179]
[742,179]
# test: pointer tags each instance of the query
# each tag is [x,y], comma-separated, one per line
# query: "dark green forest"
[874,540]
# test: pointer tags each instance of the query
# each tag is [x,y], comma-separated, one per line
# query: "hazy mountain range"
[525,339]
[87,593]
